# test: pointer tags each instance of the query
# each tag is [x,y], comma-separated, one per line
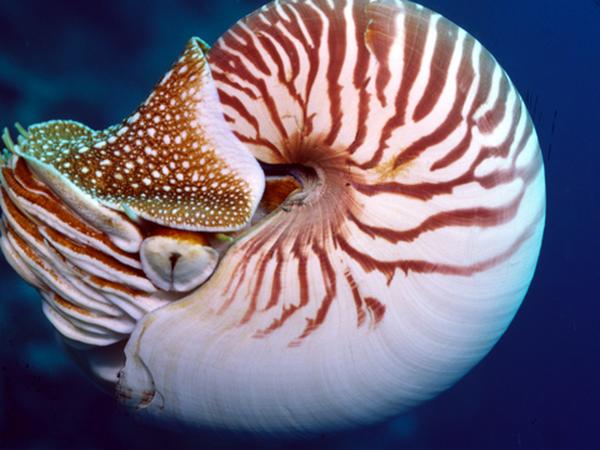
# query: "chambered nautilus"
[324,220]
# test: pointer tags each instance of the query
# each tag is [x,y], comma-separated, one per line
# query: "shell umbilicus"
[324,220]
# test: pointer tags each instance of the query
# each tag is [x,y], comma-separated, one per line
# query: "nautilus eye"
[324,220]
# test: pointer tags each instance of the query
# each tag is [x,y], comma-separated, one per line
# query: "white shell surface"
[402,262]
[206,370]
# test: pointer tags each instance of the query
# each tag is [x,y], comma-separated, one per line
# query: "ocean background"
[538,388]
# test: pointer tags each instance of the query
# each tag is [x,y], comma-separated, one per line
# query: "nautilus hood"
[324,220]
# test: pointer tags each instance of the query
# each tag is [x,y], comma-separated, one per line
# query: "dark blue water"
[538,388]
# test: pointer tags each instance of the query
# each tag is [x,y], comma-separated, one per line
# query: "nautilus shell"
[324,220]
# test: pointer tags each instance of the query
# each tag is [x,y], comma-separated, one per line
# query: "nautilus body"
[324,220]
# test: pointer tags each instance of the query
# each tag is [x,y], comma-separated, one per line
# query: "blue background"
[538,388]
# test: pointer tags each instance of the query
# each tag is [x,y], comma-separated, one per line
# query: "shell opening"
[285,185]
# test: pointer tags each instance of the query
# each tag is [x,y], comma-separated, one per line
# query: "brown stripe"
[229,62]
[279,157]
[376,308]
[415,35]
[426,191]
[455,153]
[369,264]
[276,285]
[236,104]
[485,71]
[258,284]
[361,81]
[362,128]
[314,26]
[249,249]
[464,77]
[286,79]
[247,48]
[416,31]
[469,217]
[376,28]
[336,43]
[358,301]
[445,46]
[298,252]
[490,120]
[223,78]
[288,311]
[329,279]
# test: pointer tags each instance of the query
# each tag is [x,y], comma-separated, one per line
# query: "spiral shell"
[397,234]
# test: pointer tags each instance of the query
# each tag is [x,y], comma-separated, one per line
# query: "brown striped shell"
[395,239]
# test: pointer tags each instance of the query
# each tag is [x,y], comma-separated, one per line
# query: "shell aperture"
[397,236]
